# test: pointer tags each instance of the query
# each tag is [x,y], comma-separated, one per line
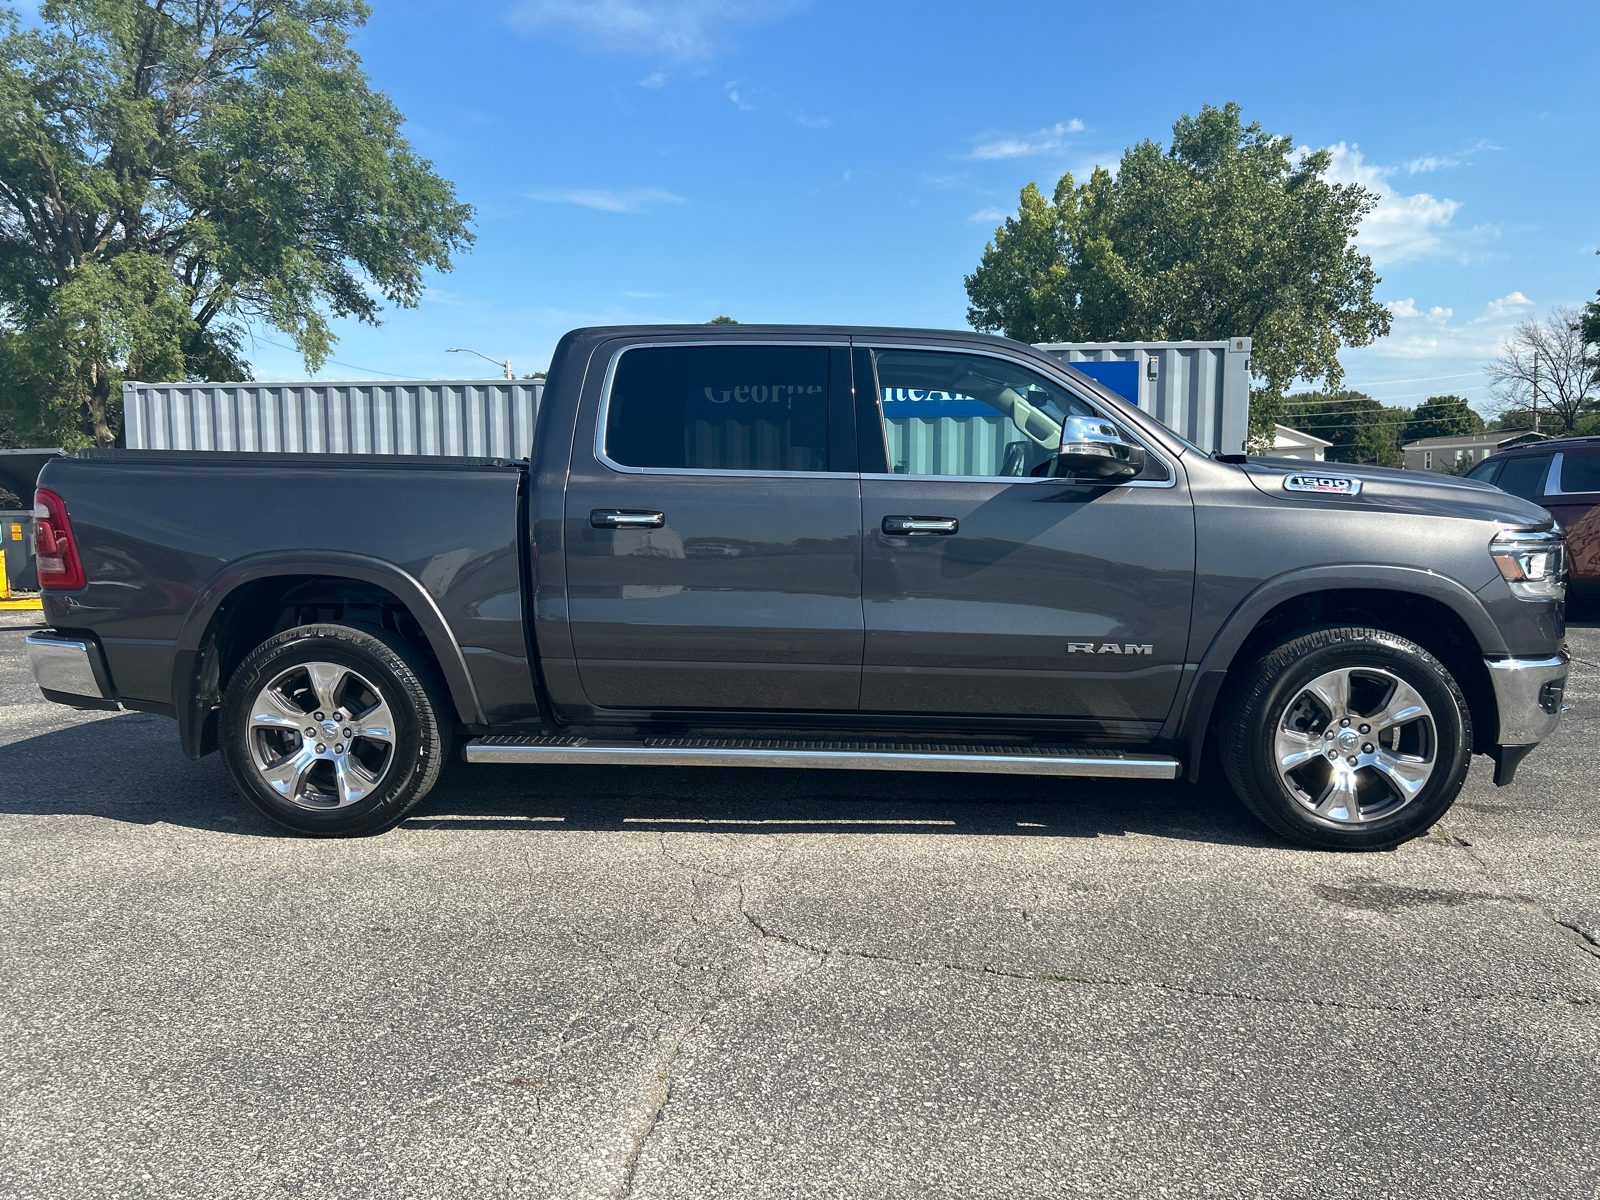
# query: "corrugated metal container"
[491,418]
[1198,389]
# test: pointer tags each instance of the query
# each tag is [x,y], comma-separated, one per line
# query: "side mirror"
[1093,447]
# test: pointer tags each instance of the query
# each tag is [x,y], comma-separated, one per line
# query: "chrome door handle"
[903,526]
[617,518]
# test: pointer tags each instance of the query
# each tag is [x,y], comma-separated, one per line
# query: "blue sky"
[778,160]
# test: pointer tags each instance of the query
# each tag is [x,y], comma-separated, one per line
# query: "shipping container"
[489,418]
[1200,390]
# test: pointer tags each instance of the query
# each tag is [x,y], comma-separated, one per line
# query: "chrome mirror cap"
[1094,447]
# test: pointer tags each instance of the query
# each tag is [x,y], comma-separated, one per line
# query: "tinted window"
[1486,471]
[1524,476]
[720,408]
[968,414]
[1580,472]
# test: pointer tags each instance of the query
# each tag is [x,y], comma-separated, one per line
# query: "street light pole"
[503,365]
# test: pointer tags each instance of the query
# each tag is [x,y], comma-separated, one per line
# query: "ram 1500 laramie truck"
[812,547]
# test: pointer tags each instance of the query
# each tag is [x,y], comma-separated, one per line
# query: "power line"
[415,378]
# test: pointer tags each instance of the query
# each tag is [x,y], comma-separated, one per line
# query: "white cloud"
[1434,332]
[680,29]
[1043,141]
[1513,305]
[1402,228]
[653,80]
[635,200]
[988,214]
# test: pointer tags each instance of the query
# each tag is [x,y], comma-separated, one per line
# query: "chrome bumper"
[1527,693]
[69,670]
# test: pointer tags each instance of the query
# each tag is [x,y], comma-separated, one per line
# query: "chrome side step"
[840,755]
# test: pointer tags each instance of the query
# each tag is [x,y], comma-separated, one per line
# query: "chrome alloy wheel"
[321,736]
[1356,745]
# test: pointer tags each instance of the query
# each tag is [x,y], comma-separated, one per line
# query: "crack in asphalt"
[1571,932]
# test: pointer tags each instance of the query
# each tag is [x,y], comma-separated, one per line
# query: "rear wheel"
[1347,739]
[332,730]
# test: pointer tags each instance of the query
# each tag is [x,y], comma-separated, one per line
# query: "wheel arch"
[249,595]
[1434,611]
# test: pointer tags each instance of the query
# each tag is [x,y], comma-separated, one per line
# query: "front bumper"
[70,670]
[1527,693]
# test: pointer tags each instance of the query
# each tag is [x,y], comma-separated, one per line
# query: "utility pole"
[1536,389]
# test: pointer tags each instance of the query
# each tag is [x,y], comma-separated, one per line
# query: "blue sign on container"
[1121,376]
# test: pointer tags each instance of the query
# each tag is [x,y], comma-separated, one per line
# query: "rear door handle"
[619,518]
[904,526]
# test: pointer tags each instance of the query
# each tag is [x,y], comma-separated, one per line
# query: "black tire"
[402,766]
[1273,699]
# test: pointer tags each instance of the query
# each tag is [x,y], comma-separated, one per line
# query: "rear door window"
[1580,472]
[1524,476]
[720,408]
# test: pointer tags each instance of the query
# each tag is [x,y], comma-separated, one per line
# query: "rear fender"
[194,669]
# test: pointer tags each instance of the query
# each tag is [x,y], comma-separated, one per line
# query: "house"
[1446,453]
[1291,443]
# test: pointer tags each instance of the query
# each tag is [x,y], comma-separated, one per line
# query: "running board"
[841,755]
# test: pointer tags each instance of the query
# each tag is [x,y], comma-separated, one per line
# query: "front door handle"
[904,526]
[619,518]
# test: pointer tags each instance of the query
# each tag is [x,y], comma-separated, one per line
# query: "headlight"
[1533,564]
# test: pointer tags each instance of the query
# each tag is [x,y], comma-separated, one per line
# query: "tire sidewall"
[383,665]
[1451,725]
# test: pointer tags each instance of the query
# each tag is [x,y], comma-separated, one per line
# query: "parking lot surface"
[633,982]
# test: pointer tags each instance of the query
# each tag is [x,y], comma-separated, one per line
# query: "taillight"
[55,555]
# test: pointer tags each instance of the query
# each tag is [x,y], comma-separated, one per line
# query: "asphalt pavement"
[638,982]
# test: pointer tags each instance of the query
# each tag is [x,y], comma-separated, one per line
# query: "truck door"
[713,530]
[989,589]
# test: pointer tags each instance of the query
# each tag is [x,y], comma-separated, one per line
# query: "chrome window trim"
[605,409]
[1170,481]
[1138,434]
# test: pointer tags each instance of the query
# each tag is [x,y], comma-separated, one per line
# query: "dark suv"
[1563,477]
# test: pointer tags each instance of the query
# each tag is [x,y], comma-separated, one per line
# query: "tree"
[722,321]
[1553,359]
[1441,416]
[1589,327]
[171,175]
[1224,234]
[1361,429]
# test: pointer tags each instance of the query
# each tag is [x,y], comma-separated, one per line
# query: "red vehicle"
[1563,477]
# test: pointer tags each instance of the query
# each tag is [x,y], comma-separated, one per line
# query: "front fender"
[1192,716]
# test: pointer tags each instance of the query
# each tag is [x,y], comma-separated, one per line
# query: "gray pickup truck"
[874,549]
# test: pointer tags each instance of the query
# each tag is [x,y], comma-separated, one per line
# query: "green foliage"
[1266,411]
[170,176]
[1515,420]
[1361,429]
[1441,416]
[722,321]
[1224,234]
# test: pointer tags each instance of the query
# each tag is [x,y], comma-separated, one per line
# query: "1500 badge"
[1108,648]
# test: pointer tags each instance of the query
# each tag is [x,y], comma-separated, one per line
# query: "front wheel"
[330,730]
[1347,739]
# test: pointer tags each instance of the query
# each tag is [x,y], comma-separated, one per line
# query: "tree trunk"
[100,405]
